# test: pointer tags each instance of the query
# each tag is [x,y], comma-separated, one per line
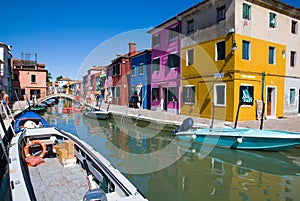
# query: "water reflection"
[223,174]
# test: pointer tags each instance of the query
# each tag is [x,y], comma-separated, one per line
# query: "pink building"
[28,78]
[166,66]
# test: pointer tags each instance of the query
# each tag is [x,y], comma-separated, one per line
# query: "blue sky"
[67,34]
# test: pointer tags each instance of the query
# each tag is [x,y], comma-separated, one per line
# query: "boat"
[29,119]
[50,102]
[60,166]
[38,108]
[97,114]
[239,138]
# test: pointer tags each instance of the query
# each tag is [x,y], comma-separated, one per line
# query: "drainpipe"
[263,75]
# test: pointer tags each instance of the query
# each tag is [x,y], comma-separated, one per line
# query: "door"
[271,101]
[164,101]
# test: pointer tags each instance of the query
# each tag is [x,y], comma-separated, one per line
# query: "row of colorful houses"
[206,59]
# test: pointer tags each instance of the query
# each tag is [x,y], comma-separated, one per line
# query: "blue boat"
[29,120]
[239,138]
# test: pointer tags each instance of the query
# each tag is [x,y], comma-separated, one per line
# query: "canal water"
[165,169]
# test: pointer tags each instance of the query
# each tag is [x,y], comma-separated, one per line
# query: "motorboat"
[51,164]
[97,114]
[29,119]
[239,138]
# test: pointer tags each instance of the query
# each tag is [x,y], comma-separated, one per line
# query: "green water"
[164,169]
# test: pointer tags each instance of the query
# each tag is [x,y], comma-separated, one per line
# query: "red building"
[118,89]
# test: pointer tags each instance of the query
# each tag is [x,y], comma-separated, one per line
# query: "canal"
[164,169]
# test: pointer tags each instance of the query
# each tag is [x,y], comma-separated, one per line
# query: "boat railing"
[6,111]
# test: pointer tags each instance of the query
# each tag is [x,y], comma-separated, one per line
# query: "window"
[221,13]
[173,60]
[220,95]
[292,96]
[118,69]
[22,91]
[2,70]
[113,92]
[246,11]
[188,94]
[33,78]
[272,23]
[16,77]
[246,50]
[220,50]
[172,94]
[156,64]
[114,70]
[190,26]
[293,59]
[118,92]
[155,94]
[272,52]
[133,71]
[190,57]
[141,69]
[294,27]
[98,83]
[173,32]
[156,40]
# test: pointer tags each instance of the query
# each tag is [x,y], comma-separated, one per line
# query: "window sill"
[189,103]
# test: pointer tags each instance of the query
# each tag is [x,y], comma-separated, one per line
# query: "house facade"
[229,59]
[29,78]
[118,78]
[88,82]
[140,78]
[166,66]
[5,68]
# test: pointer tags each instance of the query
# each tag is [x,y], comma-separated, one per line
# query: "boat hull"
[248,139]
[97,114]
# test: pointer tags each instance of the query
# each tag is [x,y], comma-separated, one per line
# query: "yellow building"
[236,53]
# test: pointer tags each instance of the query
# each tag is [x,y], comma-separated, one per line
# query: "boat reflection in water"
[237,175]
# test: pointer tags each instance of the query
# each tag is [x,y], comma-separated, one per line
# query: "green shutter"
[271,55]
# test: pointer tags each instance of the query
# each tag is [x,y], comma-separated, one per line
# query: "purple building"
[166,66]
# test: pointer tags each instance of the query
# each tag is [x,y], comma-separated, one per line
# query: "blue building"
[140,78]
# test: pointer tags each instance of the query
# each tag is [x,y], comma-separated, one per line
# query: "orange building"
[28,78]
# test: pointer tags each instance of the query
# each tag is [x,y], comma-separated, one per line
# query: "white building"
[5,67]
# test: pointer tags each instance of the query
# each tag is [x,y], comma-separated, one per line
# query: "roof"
[149,50]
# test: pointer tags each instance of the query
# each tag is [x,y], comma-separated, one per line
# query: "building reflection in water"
[224,174]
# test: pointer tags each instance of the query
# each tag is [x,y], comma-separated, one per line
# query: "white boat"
[83,175]
[97,114]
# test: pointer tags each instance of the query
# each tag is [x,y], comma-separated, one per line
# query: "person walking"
[5,100]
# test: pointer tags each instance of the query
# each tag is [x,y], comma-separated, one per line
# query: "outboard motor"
[95,195]
[186,125]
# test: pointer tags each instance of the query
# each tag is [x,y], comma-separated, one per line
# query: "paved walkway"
[291,123]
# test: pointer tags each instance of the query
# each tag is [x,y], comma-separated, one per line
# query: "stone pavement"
[291,123]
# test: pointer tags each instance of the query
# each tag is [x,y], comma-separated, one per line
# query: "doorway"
[271,102]
[164,99]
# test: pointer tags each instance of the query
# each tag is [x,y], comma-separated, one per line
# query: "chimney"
[132,49]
